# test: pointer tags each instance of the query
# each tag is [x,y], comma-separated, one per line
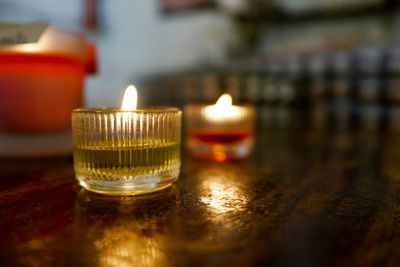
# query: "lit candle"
[129,101]
[222,131]
[223,110]
[129,150]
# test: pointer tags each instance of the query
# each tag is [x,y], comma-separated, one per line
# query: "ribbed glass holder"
[219,138]
[126,152]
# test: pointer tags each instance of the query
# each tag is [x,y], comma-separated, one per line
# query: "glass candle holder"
[126,152]
[219,137]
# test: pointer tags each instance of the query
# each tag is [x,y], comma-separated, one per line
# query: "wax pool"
[221,136]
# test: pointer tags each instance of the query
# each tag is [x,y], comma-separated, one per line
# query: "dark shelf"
[277,16]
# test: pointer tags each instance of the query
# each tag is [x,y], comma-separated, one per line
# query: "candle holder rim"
[145,110]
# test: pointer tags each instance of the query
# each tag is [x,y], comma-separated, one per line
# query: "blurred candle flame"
[223,110]
[130,98]
[224,100]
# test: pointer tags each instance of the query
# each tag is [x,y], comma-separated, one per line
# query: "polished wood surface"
[305,198]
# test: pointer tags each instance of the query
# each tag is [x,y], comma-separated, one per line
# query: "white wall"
[136,40]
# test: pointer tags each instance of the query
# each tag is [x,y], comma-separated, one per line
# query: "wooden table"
[306,198]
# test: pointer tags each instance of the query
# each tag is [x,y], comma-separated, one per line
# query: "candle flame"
[223,110]
[224,100]
[130,98]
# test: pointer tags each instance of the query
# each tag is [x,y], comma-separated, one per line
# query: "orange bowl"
[40,84]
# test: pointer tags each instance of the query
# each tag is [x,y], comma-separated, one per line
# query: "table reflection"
[124,231]
[220,190]
[125,245]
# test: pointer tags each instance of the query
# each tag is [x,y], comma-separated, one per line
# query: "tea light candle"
[126,151]
[222,131]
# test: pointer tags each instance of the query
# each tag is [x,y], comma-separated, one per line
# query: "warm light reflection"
[223,110]
[44,44]
[219,153]
[220,192]
[122,247]
[130,98]
[36,47]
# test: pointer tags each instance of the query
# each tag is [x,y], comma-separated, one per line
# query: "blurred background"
[303,63]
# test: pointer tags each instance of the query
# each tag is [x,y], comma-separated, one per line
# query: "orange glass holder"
[220,140]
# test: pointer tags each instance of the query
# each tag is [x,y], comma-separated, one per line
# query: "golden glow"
[219,153]
[124,246]
[223,110]
[220,156]
[224,100]
[36,47]
[130,99]
[222,198]
[221,194]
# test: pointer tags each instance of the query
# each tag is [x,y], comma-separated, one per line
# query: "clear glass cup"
[126,152]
